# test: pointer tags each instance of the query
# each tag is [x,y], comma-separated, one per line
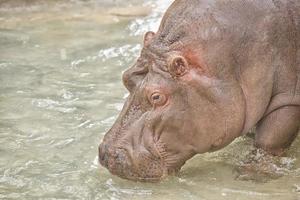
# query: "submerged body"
[214,70]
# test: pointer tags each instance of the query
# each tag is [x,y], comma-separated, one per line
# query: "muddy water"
[60,90]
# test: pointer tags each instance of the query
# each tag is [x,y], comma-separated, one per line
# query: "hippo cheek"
[150,169]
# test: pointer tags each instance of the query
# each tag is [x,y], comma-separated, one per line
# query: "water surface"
[61,90]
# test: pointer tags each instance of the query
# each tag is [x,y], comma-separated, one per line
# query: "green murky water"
[60,90]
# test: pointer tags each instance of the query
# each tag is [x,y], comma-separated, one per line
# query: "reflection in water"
[61,90]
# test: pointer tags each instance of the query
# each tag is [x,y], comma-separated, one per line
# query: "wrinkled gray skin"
[214,70]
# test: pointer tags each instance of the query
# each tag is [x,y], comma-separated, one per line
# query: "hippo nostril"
[100,152]
[103,157]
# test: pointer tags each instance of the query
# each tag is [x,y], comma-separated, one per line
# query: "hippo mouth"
[120,162]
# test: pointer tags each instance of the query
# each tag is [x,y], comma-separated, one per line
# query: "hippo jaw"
[143,167]
[138,165]
[120,163]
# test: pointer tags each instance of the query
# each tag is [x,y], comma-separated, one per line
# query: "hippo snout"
[120,162]
[115,159]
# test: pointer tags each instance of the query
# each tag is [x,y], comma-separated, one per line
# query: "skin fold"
[214,70]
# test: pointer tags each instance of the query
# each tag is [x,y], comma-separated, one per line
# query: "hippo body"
[214,70]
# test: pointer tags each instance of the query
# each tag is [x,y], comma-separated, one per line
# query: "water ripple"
[50,104]
[150,23]
[126,53]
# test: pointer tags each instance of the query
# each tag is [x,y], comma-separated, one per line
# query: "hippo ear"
[177,66]
[148,38]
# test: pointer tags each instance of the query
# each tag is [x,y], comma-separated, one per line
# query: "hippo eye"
[157,99]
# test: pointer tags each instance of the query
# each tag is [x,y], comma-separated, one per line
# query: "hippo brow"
[156,50]
[159,61]
[157,54]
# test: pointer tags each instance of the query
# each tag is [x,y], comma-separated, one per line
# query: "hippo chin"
[214,70]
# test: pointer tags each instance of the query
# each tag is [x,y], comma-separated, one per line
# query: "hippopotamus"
[213,71]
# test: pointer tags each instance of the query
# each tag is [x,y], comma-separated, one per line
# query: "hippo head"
[180,104]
